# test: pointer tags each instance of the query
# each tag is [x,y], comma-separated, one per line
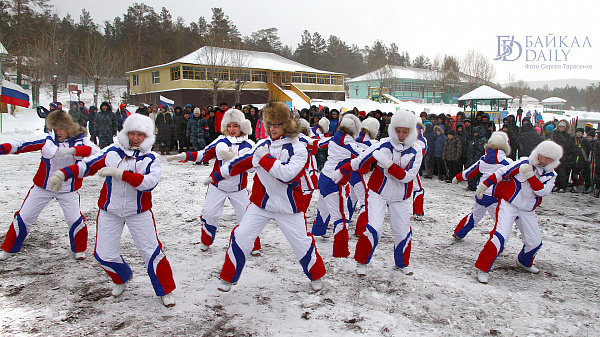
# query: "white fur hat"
[352,123]
[371,125]
[236,116]
[547,149]
[403,119]
[141,123]
[499,140]
[324,124]
[305,127]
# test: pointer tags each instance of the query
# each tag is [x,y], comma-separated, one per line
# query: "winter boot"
[316,285]
[168,300]
[361,269]
[406,270]
[224,286]
[80,256]
[531,269]
[482,276]
[5,255]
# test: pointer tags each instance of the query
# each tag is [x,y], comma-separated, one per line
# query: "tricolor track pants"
[34,203]
[399,223]
[109,229]
[213,207]
[486,203]
[331,206]
[293,227]
[528,226]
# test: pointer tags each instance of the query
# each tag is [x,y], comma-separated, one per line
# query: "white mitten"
[337,176]
[114,172]
[454,181]
[227,155]
[208,181]
[64,151]
[480,189]
[383,160]
[258,154]
[527,171]
[177,157]
[55,182]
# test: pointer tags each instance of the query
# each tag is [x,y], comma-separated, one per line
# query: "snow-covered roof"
[484,92]
[554,100]
[401,72]
[241,58]
[394,72]
[2,49]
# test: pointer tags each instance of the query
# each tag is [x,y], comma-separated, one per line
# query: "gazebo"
[555,105]
[486,93]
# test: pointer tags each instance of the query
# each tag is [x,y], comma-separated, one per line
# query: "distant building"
[409,84]
[257,77]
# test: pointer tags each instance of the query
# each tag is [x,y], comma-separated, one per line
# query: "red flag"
[320,107]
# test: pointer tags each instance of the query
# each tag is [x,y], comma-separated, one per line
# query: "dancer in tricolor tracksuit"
[279,162]
[310,179]
[234,142]
[496,151]
[519,188]
[132,171]
[66,143]
[419,191]
[331,206]
[398,160]
[357,184]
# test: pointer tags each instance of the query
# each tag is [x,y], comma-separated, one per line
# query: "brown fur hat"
[59,119]
[279,112]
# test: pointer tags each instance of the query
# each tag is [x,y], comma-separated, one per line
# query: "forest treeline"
[49,50]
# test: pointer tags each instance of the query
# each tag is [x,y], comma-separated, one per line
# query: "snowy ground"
[43,291]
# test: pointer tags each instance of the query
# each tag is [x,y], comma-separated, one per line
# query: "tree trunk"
[96,89]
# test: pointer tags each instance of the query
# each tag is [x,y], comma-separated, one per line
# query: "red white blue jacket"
[342,148]
[524,194]
[310,179]
[486,165]
[276,185]
[49,164]
[132,194]
[364,142]
[395,183]
[239,145]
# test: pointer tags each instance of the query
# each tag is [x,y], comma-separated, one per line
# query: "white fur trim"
[352,123]
[141,123]
[305,125]
[235,116]
[371,124]
[548,149]
[324,124]
[503,135]
[403,119]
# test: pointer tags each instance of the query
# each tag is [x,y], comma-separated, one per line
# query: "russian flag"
[166,101]
[14,94]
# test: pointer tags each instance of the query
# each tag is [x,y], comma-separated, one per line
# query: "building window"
[135,80]
[245,76]
[337,80]
[259,76]
[320,79]
[309,78]
[296,78]
[200,73]
[155,77]
[224,74]
[187,73]
[175,73]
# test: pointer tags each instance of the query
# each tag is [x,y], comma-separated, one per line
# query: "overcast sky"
[420,27]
